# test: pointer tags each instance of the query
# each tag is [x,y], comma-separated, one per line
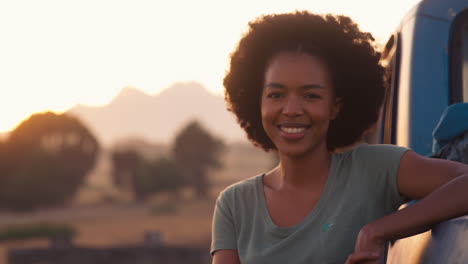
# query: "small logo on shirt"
[327,226]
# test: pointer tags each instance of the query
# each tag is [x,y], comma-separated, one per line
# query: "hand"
[369,248]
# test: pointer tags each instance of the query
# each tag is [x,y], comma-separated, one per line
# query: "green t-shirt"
[361,187]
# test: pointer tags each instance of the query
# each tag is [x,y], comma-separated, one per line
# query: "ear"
[336,108]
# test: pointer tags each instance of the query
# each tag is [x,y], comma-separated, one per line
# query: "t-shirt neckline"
[311,216]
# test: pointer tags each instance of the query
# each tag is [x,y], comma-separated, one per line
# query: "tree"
[48,158]
[144,177]
[158,176]
[3,156]
[196,151]
[125,163]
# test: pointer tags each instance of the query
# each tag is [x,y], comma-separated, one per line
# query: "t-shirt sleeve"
[383,161]
[223,228]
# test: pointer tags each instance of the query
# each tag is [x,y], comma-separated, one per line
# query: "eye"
[274,95]
[312,96]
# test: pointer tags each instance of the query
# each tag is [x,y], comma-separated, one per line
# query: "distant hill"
[157,118]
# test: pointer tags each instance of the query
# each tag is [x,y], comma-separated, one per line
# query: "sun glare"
[56,54]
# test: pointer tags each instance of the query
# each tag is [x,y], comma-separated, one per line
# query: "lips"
[293,131]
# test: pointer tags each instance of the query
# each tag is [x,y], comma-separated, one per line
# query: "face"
[297,103]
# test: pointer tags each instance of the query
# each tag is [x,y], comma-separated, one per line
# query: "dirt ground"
[107,224]
[120,225]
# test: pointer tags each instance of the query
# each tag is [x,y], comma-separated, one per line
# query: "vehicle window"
[391,60]
[465,62]
[376,133]
[459,58]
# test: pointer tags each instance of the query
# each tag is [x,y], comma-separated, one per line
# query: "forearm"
[446,202]
[226,257]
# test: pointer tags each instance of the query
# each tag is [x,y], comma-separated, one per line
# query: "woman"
[305,86]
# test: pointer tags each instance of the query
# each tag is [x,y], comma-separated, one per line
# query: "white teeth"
[293,130]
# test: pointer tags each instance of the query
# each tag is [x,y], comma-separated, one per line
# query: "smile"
[292,130]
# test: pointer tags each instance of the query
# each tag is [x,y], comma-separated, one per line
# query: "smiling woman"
[298,102]
[306,86]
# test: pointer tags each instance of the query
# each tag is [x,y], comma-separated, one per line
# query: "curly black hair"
[350,54]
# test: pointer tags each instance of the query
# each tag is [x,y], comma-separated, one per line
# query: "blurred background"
[114,132]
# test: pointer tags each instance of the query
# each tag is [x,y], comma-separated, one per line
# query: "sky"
[55,54]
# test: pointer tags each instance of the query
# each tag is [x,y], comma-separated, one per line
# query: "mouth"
[293,131]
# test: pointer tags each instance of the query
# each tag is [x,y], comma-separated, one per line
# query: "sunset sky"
[57,53]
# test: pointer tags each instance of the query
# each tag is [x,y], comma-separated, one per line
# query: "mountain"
[158,118]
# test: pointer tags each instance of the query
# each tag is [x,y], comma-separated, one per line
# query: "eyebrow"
[281,86]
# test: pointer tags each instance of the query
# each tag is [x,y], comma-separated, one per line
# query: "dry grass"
[122,224]
[103,224]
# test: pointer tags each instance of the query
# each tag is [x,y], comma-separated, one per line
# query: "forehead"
[297,68]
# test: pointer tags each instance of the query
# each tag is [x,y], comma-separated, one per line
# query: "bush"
[35,231]
[157,176]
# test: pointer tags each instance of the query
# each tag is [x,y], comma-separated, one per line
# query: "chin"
[293,152]
[301,149]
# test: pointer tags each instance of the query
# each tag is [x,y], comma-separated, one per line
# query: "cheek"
[327,111]
[268,116]
[265,116]
[265,110]
[320,112]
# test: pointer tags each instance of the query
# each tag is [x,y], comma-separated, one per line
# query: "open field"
[105,223]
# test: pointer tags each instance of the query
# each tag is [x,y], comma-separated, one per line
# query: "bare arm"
[442,187]
[226,257]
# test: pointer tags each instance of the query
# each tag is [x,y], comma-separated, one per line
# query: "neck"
[302,172]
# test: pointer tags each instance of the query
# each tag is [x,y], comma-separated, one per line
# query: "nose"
[292,106]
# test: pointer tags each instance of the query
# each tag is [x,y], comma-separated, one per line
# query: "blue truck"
[426,109]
